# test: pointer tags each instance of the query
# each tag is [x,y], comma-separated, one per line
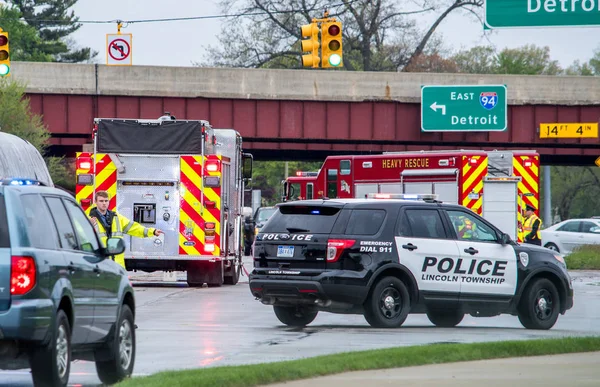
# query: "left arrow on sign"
[434,106]
[598,161]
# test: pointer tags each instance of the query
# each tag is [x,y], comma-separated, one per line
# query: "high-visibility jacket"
[528,228]
[120,226]
[466,229]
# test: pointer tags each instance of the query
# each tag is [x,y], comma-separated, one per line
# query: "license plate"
[285,251]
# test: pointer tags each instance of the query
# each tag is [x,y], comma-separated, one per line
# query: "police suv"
[385,258]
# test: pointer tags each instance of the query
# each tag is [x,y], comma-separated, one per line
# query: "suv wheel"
[122,351]
[295,316]
[539,305]
[50,365]
[388,304]
[445,318]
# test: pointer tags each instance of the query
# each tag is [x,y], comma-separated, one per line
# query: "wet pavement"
[181,327]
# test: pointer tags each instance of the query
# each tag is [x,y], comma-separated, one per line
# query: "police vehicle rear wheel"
[388,304]
[540,305]
[295,316]
[445,318]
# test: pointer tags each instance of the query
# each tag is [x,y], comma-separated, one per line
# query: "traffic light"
[311,45]
[331,37]
[4,54]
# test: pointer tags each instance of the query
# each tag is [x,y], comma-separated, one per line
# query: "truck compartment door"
[500,204]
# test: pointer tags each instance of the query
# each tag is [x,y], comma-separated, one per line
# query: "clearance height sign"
[541,13]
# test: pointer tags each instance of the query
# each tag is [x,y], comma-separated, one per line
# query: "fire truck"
[495,184]
[181,176]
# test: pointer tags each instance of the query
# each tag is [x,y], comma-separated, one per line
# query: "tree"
[16,118]
[525,60]
[268,175]
[592,67]
[378,35]
[54,22]
[25,42]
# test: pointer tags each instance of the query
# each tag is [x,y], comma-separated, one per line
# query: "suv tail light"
[22,275]
[335,248]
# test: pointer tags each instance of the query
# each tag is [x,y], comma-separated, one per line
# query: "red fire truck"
[494,184]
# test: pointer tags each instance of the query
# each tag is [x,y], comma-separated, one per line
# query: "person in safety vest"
[465,228]
[532,227]
[112,224]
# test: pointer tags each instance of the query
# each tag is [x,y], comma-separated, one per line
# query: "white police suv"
[386,258]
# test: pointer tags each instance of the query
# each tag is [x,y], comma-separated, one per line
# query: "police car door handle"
[409,247]
[471,251]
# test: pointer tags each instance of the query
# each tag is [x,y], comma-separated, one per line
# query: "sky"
[182,43]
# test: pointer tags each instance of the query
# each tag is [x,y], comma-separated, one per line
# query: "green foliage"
[268,373]
[525,60]
[268,175]
[54,23]
[584,258]
[25,42]
[575,192]
[16,118]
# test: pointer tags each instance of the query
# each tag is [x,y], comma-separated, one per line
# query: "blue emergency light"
[19,182]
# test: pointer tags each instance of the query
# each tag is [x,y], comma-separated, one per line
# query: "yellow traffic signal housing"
[4,54]
[311,45]
[331,38]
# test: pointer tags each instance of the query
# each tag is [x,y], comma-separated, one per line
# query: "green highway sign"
[541,13]
[468,108]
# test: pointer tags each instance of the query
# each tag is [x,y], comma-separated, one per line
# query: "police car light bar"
[402,196]
[17,181]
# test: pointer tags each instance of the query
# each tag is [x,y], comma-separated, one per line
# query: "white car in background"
[567,235]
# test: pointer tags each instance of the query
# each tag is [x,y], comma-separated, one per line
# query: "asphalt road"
[181,327]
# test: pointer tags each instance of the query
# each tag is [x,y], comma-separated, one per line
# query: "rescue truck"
[494,184]
[181,176]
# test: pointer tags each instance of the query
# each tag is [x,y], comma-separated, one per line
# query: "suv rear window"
[4,239]
[313,219]
[365,222]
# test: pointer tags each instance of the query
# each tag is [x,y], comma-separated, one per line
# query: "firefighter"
[465,228]
[532,227]
[112,224]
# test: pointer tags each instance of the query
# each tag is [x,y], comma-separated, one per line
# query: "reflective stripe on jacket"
[119,227]
[528,228]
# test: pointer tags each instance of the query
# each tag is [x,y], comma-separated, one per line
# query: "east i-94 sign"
[472,108]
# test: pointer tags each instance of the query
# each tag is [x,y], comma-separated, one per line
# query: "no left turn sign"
[118,50]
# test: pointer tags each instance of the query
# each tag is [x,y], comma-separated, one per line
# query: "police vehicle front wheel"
[540,305]
[388,304]
[295,316]
[445,318]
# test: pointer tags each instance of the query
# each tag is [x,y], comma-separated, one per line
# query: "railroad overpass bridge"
[306,114]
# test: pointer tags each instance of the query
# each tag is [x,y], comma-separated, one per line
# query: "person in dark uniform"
[532,227]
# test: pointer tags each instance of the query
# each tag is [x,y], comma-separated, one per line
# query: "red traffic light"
[3,40]
[333,30]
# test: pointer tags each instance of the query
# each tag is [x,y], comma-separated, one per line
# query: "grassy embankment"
[584,258]
[262,374]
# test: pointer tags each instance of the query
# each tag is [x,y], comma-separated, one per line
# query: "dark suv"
[61,296]
[386,258]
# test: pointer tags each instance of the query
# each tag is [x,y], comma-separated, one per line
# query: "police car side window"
[365,222]
[467,227]
[422,223]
